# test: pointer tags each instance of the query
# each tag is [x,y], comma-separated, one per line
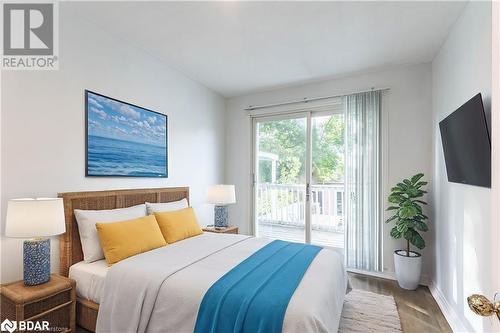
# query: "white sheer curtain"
[362,180]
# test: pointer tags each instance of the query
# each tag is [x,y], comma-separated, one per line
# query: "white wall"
[462,214]
[495,144]
[43,124]
[407,108]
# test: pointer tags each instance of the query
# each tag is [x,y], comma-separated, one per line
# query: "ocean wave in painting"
[114,157]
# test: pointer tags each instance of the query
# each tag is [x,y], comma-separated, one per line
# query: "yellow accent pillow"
[179,224]
[120,240]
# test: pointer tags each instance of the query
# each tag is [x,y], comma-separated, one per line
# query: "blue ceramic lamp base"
[220,217]
[36,259]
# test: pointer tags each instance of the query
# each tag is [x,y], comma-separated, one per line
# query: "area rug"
[365,311]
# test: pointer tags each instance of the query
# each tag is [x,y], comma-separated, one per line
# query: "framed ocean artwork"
[124,140]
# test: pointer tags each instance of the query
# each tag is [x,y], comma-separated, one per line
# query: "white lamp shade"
[221,195]
[41,217]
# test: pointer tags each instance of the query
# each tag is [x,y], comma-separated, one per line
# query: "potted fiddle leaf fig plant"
[406,204]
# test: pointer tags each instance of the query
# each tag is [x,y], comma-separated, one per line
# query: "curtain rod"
[307,100]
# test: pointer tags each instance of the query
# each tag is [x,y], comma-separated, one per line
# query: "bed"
[194,264]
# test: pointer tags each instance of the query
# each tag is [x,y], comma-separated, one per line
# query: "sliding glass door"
[298,178]
[317,178]
[280,177]
[327,180]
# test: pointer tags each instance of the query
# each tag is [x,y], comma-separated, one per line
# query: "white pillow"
[87,219]
[166,206]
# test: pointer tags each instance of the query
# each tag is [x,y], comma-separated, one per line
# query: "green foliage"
[328,150]
[287,139]
[407,208]
[289,169]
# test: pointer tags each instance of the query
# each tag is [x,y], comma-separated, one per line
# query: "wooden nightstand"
[229,230]
[53,301]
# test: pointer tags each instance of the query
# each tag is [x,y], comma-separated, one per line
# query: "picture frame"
[123,139]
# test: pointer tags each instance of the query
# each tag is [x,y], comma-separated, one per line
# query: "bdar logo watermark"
[30,36]
[10,325]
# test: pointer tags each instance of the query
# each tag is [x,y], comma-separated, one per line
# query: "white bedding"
[161,290]
[89,279]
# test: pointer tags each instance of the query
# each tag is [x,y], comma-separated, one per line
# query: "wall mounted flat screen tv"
[466,144]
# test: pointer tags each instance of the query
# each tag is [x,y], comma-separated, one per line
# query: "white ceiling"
[236,48]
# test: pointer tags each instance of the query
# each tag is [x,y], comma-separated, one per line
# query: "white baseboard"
[449,313]
[424,280]
[382,275]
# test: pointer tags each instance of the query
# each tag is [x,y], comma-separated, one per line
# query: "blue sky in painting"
[111,119]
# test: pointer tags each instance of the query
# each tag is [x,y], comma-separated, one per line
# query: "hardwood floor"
[418,311]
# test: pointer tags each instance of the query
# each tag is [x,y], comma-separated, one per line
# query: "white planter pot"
[408,269]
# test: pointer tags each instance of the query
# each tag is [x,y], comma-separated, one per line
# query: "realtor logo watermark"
[11,325]
[30,36]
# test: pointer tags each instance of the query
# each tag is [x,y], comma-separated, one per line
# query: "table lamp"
[35,219]
[221,196]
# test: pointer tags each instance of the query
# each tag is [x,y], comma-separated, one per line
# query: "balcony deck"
[281,213]
[297,234]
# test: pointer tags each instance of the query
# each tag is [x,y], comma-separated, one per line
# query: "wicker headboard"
[70,245]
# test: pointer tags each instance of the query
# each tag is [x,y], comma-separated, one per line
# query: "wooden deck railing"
[285,205]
